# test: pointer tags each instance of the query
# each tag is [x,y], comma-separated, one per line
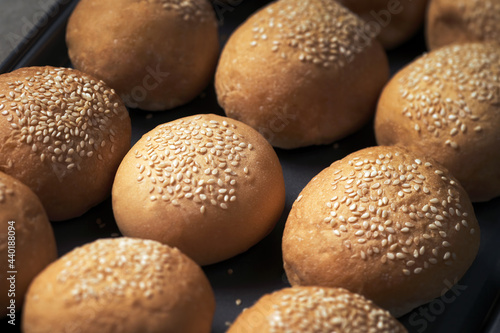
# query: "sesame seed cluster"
[470,71]
[317,310]
[191,10]
[63,116]
[198,160]
[5,192]
[375,223]
[114,268]
[320,32]
[481,18]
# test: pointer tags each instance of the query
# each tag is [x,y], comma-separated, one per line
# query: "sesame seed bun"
[209,185]
[63,133]
[120,285]
[446,105]
[314,310]
[462,21]
[156,54]
[385,223]
[25,228]
[394,22]
[301,73]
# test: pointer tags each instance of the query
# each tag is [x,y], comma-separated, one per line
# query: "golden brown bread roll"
[27,242]
[157,54]
[446,105]
[120,285]
[301,73]
[314,310]
[462,21]
[383,222]
[207,184]
[63,133]
[393,21]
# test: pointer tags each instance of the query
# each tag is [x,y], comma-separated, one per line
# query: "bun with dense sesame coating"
[314,310]
[301,73]
[446,105]
[384,223]
[462,21]
[27,241]
[207,184]
[157,54]
[120,285]
[393,21]
[63,133]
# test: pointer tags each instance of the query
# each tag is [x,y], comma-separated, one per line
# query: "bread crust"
[446,105]
[459,21]
[63,133]
[120,285]
[156,54]
[26,229]
[293,93]
[384,223]
[398,21]
[209,185]
[314,310]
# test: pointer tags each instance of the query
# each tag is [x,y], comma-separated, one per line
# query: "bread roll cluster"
[370,238]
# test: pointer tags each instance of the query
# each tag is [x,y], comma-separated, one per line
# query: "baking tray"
[472,306]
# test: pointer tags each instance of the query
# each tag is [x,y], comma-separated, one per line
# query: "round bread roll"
[27,242]
[393,21]
[63,133]
[314,310]
[447,105]
[301,73]
[120,285]
[462,21]
[385,223]
[209,185]
[156,54]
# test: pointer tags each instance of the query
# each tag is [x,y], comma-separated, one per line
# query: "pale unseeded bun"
[446,105]
[27,241]
[394,22]
[462,21]
[385,223]
[63,133]
[207,184]
[301,73]
[314,310]
[156,54]
[120,285]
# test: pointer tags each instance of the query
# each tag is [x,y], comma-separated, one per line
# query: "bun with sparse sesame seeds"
[385,223]
[462,21]
[301,73]
[393,21]
[157,54]
[315,310]
[63,133]
[27,242]
[209,185]
[446,105]
[120,285]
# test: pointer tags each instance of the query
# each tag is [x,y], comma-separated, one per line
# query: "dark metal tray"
[472,306]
